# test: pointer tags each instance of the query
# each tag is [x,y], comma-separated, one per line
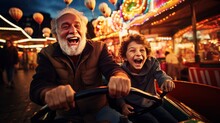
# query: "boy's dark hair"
[138,38]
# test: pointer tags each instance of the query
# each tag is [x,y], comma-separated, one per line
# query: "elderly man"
[74,64]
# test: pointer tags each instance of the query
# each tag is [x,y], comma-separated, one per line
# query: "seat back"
[204,99]
[208,76]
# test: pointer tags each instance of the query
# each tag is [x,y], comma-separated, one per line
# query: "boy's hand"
[167,86]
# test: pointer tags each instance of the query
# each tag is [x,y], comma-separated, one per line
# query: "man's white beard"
[72,50]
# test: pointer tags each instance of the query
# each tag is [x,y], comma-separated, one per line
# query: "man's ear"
[55,35]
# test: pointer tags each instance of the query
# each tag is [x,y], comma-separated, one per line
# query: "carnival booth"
[189,29]
[169,25]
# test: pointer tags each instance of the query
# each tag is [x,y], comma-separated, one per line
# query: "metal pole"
[193,12]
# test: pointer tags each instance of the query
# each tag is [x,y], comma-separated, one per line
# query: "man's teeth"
[74,39]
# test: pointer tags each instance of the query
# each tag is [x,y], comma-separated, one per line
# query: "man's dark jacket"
[55,68]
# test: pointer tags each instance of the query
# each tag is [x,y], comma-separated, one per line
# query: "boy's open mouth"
[138,61]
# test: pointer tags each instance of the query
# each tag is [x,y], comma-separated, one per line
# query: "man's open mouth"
[73,40]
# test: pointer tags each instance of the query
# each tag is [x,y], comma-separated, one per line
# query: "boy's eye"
[132,51]
[142,50]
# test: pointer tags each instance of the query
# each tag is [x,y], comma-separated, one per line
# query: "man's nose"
[73,29]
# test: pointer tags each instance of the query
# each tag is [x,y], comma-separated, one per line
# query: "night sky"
[50,6]
[49,9]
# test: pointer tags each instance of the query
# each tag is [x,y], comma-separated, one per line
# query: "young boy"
[143,70]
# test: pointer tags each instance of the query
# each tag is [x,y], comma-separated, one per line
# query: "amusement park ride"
[190,101]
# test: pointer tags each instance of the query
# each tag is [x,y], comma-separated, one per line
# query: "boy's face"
[136,56]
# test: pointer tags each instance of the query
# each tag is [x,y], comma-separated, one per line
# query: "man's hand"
[61,97]
[167,86]
[127,109]
[119,86]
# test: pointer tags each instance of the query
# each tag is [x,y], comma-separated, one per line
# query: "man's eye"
[65,26]
[77,26]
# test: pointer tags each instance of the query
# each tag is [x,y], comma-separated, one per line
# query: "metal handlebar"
[95,91]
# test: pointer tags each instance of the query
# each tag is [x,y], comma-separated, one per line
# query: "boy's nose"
[137,53]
